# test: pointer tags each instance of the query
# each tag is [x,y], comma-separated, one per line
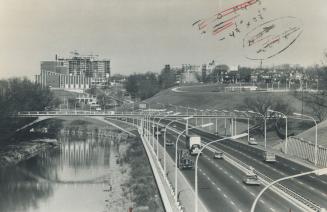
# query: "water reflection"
[71,178]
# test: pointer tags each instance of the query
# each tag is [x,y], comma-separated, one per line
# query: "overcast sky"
[140,35]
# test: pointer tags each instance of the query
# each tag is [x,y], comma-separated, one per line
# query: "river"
[74,177]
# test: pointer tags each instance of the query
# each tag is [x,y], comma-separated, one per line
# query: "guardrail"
[110,113]
[169,207]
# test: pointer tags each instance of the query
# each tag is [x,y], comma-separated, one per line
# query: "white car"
[218,155]
[252,141]
[251,178]
[168,143]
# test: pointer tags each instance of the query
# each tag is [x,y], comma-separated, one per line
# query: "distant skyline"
[143,35]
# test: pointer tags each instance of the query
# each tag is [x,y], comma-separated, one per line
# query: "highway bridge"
[220,182]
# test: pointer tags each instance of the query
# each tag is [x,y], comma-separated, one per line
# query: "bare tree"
[318,103]
[261,103]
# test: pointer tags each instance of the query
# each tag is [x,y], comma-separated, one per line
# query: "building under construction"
[77,71]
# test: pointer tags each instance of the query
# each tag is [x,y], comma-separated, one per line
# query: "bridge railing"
[305,149]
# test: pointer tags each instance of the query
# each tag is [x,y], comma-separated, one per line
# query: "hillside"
[206,97]
[311,133]
[209,97]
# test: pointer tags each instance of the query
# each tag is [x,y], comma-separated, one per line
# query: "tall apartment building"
[88,65]
[75,70]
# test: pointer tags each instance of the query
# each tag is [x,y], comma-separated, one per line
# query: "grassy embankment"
[141,181]
[208,97]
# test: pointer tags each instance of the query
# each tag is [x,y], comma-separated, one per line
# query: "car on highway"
[252,141]
[251,178]
[218,155]
[169,143]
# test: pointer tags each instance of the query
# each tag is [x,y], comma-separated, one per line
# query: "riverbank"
[118,159]
[12,154]
[141,182]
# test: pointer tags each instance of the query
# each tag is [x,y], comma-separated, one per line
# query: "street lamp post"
[196,114]
[286,128]
[317,172]
[176,150]
[247,115]
[165,133]
[235,123]
[216,113]
[316,139]
[169,112]
[225,111]
[75,107]
[265,123]
[153,126]
[196,165]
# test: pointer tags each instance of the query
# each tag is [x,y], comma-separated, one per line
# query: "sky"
[143,35]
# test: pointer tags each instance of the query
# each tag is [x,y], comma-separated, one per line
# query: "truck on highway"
[251,178]
[269,156]
[193,144]
[184,160]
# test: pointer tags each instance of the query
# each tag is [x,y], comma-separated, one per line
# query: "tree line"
[18,94]
[143,86]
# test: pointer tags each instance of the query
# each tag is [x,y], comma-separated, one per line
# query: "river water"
[74,177]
